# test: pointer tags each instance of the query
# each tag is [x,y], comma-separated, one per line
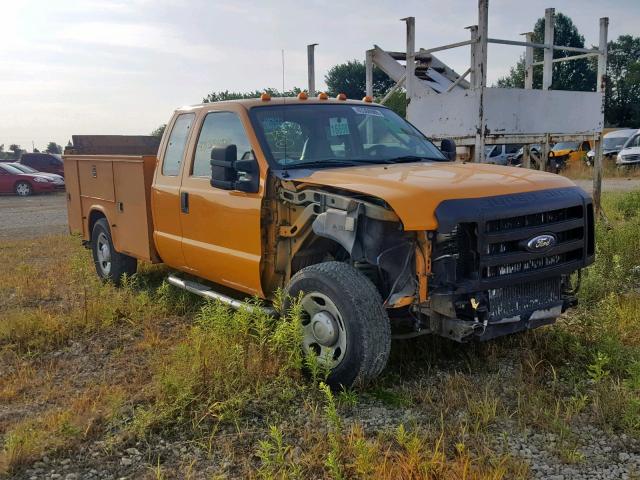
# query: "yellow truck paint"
[415,190]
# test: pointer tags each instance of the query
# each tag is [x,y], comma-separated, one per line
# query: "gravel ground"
[32,217]
[612,184]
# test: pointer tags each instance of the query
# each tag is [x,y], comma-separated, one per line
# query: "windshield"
[11,169]
[614,142]
[565,146]
[23,168]
[315,135]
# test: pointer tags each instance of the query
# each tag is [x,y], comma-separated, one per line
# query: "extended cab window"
[177,142]
[219,129]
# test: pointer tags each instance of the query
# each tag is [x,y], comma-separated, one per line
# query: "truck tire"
[110,264]
[344,322]
[23,189]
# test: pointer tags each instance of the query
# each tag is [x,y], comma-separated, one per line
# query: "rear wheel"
[23,189]
[110,264]
[344,323]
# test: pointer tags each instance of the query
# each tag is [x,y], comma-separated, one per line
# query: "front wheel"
[344,323]
[110,264]
[24,189]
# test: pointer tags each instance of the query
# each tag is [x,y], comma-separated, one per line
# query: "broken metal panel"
[452,114]
[507,111]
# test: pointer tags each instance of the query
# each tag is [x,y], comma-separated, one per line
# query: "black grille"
[502,243]
[524,298]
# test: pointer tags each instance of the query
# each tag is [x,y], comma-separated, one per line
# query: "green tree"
[350,78]
[53,147]
[17,151]
[573,75]
[158,132]
[227,95]
[622,101]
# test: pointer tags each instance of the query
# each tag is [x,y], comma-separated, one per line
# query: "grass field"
[147,381]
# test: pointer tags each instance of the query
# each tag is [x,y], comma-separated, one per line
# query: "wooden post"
[526,156]
[480,68]
[369,73]
[411,57]
[544,153]
[473,85]
[547,67]
[483,36]
[602,81]
[473,78]
[311,69]
[528,62]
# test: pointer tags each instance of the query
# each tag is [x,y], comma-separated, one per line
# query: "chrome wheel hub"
[324,334]
[325,329]
[104,254]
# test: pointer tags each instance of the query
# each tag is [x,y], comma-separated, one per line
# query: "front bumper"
[631,159]
[488,280]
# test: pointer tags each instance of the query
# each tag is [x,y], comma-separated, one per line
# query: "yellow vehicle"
[347,206]
[564,153]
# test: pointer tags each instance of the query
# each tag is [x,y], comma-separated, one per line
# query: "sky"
[121,67]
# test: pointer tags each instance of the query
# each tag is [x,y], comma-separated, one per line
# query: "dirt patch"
[32,217]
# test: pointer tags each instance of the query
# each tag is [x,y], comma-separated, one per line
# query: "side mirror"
[448,147]
[228,173]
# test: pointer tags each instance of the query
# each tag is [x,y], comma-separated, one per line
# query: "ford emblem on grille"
[540,243]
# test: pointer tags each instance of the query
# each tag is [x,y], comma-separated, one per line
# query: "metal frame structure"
[444,104]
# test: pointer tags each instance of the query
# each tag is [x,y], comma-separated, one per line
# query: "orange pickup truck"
[346,205]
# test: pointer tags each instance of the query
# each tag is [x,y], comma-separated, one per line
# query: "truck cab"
[349,209]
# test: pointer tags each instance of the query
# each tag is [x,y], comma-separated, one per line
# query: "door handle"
[184,202]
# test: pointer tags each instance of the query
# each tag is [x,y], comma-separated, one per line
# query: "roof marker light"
[265,97]
[341,96]
[323,96]
[368,99]
[303,96]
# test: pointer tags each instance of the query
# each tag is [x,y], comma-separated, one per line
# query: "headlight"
[619,158]
[41,180]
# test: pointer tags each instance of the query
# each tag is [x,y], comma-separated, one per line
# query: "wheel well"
[94,216]
[315,250]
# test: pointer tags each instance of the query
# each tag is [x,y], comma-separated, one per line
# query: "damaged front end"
[508,263]
[495,265]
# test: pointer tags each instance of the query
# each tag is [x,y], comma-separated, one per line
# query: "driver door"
[6,185]
[221,236]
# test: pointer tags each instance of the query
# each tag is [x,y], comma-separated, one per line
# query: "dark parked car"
[44,162]
[13,180]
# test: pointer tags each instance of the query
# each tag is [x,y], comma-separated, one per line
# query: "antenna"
[283,95]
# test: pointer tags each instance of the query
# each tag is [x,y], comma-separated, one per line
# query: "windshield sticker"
[338,126]
[368,111]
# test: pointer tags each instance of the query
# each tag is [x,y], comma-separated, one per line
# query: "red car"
[13,180]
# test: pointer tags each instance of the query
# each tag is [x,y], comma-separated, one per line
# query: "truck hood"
[414,190]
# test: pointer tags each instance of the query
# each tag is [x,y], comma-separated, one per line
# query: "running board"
[207,292]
